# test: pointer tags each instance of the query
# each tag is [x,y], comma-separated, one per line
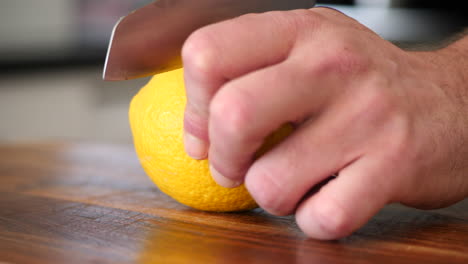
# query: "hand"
[393,123]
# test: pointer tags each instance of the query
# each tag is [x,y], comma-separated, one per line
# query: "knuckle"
[246,18]
[231,113]
[376,105]
[266,191]
[195,124]
[333,219]
[199,52]
[382,109]
[275,17]
[377,108]
[341,60]
[307,17]
[401,144]
[298,21]
[350,61]
[377,101]
[231,170]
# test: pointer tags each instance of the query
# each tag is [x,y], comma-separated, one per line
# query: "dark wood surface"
[92,203]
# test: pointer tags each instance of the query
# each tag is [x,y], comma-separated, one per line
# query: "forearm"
[455,56]
[448,66]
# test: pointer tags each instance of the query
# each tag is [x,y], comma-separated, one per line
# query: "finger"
[347,202]
[317,149]
[218,53]
[246,110]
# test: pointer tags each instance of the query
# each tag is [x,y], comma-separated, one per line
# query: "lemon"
[156,120]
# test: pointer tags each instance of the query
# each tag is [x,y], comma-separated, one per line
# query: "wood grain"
[92,203]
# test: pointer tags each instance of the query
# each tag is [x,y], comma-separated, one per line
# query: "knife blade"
[149,40]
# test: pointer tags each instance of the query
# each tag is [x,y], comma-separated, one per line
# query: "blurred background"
[52,54]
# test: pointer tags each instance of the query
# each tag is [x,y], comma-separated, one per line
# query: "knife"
[149,40]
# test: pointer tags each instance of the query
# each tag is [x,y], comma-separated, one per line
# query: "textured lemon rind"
[156,120]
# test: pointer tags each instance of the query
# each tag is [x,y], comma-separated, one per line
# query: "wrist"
[452,66]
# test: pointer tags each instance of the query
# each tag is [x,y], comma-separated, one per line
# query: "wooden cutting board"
[92,203]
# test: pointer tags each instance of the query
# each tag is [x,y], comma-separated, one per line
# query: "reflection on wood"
[79,203]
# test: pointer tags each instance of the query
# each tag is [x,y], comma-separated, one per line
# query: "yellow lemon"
[156,119]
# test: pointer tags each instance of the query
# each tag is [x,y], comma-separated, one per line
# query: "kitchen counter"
[92,203]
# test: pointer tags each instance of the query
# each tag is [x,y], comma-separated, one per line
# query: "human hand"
[393,123]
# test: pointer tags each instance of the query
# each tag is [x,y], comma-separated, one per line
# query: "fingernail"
[221,180]
[195,148]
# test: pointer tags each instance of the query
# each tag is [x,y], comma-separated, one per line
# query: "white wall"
[65,105]
[30,26]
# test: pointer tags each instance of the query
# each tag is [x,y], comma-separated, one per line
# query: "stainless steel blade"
[149,40]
